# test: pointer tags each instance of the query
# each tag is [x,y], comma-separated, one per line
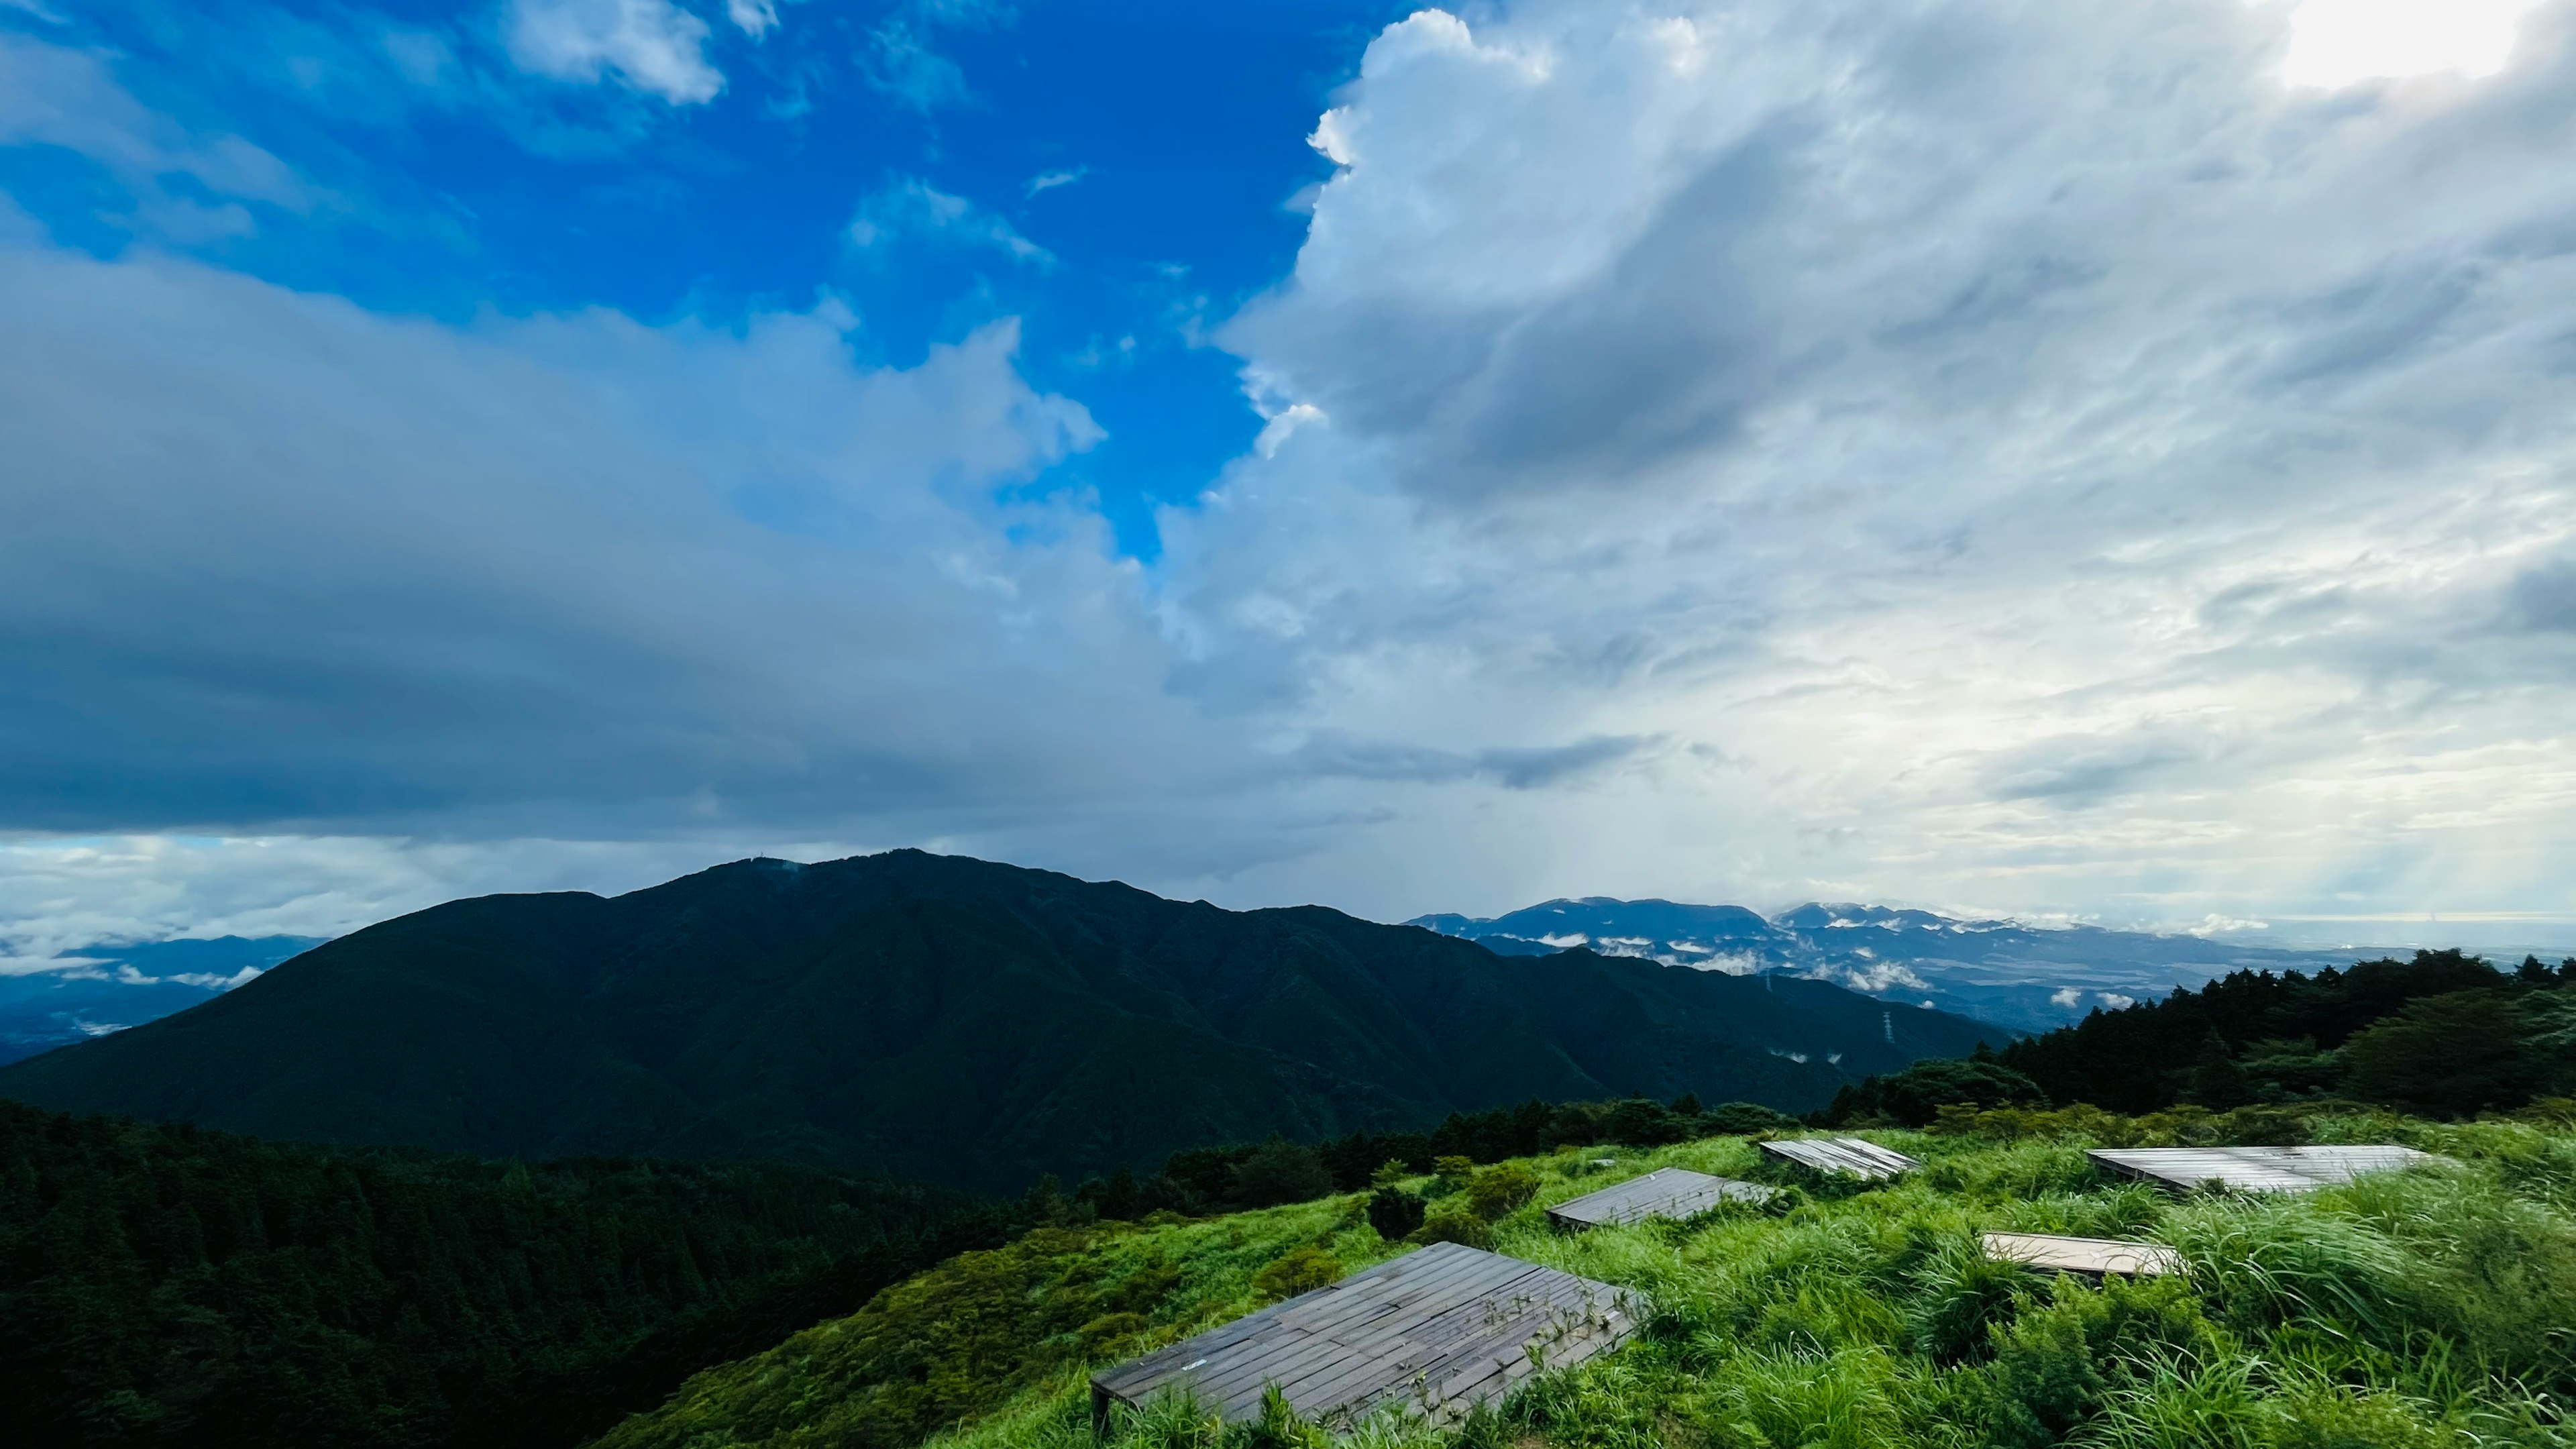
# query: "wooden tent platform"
[2254,1169]
[1436,1332]
[2095,1256]
[1849,1156]
[1666,1192]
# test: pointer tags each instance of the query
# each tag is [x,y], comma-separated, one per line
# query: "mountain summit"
[946,1019]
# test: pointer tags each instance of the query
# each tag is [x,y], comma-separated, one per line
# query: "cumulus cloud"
[1997,445]
[652,46]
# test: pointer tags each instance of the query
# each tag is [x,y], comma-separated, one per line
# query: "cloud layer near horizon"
[2010,455]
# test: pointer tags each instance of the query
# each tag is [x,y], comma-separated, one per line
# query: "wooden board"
[1849,1156]
[2095,1256]
[1435,1332]
[1667,1192]
[2255,1169]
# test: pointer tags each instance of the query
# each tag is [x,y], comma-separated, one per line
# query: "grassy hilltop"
[2436,1307]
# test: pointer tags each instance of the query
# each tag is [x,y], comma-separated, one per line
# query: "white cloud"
[653,46]
[1050,180]
[2334,43]
[212,981]
[911,207]
[2012,452]
[754,18]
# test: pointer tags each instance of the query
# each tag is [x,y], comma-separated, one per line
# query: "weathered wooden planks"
[2255,1169]
[1849,1156]
[1667,1192]
[1435,1332]
[2095,1256]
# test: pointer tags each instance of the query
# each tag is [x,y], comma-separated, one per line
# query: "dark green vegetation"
[2444,1033]
[2427,1309]
[1914,1097]
[167,1285]
[943,1019]
[1228,1179]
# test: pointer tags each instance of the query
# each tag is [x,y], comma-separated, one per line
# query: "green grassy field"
[2434,1307]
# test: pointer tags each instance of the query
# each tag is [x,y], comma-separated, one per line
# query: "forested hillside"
[167,1285]
[2444,1032]
[945,1019]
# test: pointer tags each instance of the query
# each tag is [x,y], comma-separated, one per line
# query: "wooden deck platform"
[2093,1256]
[1435,1332]
[1849,1156]
[2254,1169]
[1666,1192]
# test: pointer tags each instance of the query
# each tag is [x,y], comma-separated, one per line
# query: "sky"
[2108,461]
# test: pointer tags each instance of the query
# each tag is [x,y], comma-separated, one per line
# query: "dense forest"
[167,1285]
[2445,1034]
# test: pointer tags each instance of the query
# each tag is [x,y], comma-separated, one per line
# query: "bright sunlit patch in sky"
[2336,42]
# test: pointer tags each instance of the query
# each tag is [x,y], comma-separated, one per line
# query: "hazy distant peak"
[2030,977]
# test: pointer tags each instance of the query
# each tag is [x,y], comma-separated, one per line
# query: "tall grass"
[2427,1308]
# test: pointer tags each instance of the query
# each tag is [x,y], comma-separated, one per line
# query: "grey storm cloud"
[386,574]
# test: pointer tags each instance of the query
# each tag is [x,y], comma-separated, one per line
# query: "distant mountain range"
[948,1020]
[95,990]
[2026,977]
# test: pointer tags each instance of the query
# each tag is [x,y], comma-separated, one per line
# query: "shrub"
[1394,1212]
[2056,1366]
[1745,1119]
[1452,1223]
[1497,1190]
[1302,1271]
[1281,1172]
[1914,1097]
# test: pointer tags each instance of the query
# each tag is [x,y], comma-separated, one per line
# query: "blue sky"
[1123,177]
[2092,461]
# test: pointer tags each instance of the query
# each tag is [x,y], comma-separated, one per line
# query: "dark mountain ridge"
[944,1019]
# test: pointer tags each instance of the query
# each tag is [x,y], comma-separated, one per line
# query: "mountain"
[95,990]
[2026,977]
[948,1020]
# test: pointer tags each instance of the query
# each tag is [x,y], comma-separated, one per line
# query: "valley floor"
[2434,1307]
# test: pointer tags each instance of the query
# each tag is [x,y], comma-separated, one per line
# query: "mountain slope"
[1861,1318]
[2006,972]
[944,1019]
